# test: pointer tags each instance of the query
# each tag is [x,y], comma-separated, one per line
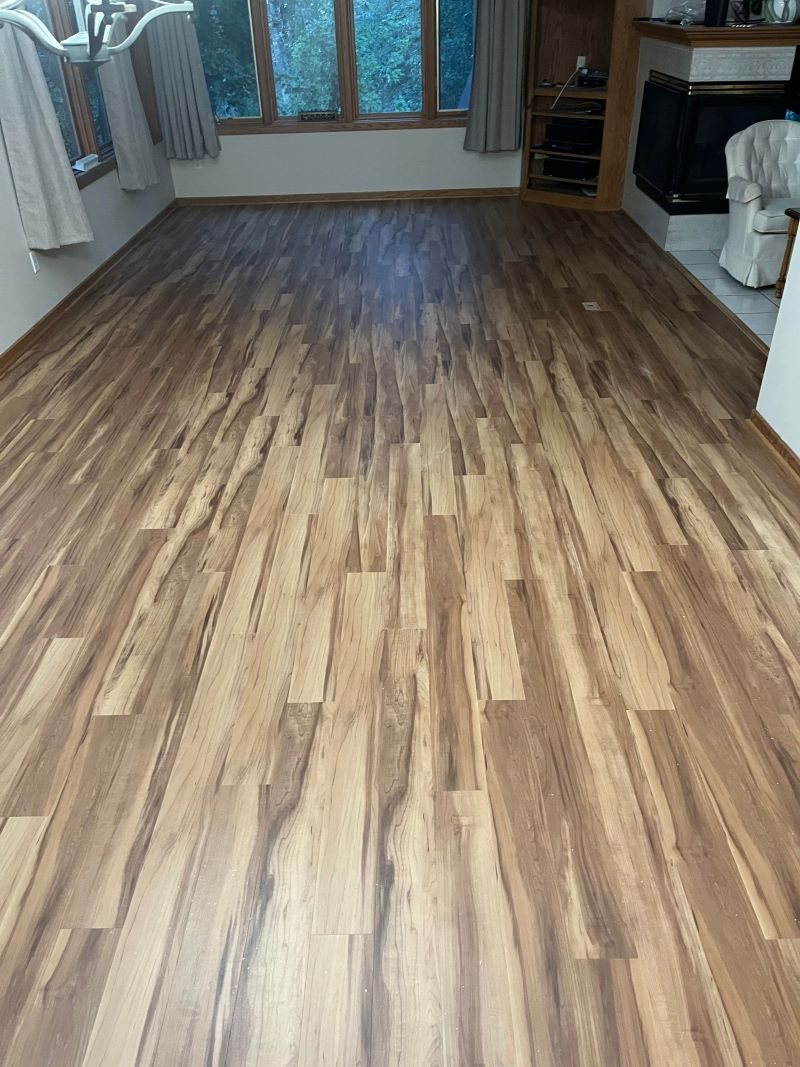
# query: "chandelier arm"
[163,9]
[33,27]
[89,46]
[104,31]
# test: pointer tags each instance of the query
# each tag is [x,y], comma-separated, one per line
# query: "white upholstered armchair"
[763,180]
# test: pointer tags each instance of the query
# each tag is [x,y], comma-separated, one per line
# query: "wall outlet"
[34,262]
[581,63]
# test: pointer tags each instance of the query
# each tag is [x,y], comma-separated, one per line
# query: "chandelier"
[96,20]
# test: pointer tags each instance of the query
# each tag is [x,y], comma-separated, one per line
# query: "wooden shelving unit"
[603,31]
[572,105]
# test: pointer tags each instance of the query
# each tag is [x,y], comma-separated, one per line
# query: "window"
[388,56]
[456,28]
[305,68]
[226,45]
[54,76]
[373,62]
[97,108]
[75,92]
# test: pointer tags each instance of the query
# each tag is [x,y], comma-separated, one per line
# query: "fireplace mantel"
[759,36]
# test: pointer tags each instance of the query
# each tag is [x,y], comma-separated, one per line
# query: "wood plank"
[482,990]
[406,999]
[312,677]
[497,671]
[437,471]
[336,1002]
[65,999]
[406,547]
[345,897]
[458,749]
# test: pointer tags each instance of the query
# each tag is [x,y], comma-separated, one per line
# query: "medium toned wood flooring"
[399,662]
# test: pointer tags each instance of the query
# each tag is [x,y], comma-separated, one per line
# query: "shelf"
[550,180]
[541,113]
[558,198]
[568,193]
[560,154]
[572,94]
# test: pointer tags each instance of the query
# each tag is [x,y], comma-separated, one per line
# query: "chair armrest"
[743,191]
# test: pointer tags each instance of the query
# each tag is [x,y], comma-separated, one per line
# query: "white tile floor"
[757,308]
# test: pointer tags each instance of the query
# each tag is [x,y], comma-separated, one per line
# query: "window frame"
[78,97]
[269,122]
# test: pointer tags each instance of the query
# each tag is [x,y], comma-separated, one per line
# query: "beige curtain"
[494,120]
[50,203]
[127,121]
[184,107]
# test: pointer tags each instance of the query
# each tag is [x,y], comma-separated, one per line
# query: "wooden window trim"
[430,58]
[247,127]
[98,171]
[262,51]
[78,101]
[351,119]
[344,19]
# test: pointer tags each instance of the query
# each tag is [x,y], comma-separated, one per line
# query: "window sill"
[234,127]
[89,176]
[105,166]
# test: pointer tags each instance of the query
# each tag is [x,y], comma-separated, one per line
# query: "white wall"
[358,161]
[779,399]
[116,216]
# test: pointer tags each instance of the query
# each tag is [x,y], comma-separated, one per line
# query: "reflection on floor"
[757,308]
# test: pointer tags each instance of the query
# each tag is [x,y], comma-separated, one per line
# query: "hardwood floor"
[400,664]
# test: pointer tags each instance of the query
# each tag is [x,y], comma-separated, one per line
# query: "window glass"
[54,76]
[388,55]
[94,97]
[456,24]
[94,94]
[303,40]
[226,46]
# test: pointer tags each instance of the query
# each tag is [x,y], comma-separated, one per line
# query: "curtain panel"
[133,147]
[50,204]
[184,107]
[494,120]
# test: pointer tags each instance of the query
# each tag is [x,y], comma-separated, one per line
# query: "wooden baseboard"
[567,200]
[343,198]
[50,320]
[788,455]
